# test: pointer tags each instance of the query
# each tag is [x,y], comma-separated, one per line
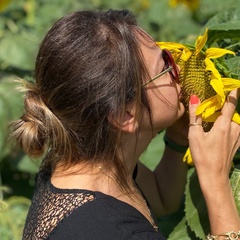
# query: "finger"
[193,104]
[230,104]
[235,131]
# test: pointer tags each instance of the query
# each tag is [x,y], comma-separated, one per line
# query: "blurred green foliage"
[23,23]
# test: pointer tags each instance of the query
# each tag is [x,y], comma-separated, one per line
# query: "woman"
[103,91]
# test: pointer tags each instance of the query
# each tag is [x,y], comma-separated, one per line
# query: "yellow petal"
[220,100]
[188,157]
[216,80]
[217,52]
[200,42]
[209,104]
[186,54]
[171,45]
[177,50]
[230,84]
[201,108]
[218,87]
[209,112]
[211,67]
[236,118]
[213,117]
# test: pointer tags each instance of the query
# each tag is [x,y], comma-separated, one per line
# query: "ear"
[127,122]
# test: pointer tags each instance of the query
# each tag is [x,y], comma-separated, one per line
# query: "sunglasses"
[170,66]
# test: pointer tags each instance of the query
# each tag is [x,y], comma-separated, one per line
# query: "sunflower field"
[208,30]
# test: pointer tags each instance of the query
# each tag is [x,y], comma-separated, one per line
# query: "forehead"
[151,52]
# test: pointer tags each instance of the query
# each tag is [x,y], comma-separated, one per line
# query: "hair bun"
[31,130]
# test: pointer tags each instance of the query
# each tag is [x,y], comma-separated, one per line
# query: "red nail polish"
[194,99]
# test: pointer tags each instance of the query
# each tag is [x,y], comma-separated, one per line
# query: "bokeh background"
[23,24]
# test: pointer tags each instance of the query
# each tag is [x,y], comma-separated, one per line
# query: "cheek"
[166,97]
[165,105]
[165,115]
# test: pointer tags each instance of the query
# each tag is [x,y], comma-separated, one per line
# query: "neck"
[83,176]
[89,176]
[133,147]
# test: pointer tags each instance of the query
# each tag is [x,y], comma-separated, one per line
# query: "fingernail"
[194,99]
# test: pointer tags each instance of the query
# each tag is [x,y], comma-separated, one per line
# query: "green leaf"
[18,51]
[235,183]
[168,223]
[153,153]
[25,164]
[224,25]
[226,20]
[169,26]
[11,107]
[196,210]
[14,98]
[181,231]
[12,217]
[233,65]
[3,128]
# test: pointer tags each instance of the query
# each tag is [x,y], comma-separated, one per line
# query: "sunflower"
[191,4]
[201,75]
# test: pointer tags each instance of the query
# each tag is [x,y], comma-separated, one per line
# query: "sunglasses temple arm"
[159,75]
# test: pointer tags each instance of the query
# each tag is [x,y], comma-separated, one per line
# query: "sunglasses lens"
[167,56]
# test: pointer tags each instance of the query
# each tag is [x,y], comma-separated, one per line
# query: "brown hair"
[88,66]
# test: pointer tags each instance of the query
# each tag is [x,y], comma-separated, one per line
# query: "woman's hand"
[212,154]
[213,151]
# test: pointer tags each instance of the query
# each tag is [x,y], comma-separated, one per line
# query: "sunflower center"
[194,79]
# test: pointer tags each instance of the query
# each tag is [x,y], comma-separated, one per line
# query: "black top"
[75,214]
